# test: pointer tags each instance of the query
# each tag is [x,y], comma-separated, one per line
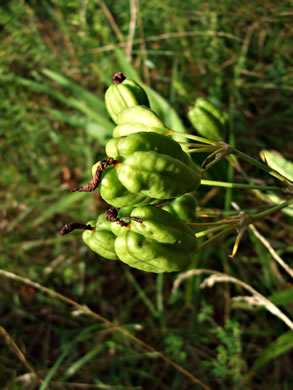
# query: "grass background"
[52,53]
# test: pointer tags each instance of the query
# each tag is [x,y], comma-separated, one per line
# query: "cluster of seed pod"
[144,168]
[151,240]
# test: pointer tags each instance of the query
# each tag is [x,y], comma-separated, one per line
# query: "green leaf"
[276,199]
[75,366]
[101,131]
[58,207]
[164,110]
[125,66]
[276,161]
[284,297]
[78,104]
[279,346]
[67,350]
[89,98]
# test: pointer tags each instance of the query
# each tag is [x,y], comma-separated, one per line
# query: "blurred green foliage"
[56,60]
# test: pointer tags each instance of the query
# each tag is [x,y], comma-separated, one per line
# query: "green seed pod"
[153,164]
[205,117]
[212,109]
[114,193]
[115,227]
[149,169]
[183,207]
[125,93]
[136,127]
[157,175]
[140,114]
[101,240]
[161,243]
[123,147]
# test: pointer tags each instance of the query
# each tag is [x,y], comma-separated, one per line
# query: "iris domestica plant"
[148,180]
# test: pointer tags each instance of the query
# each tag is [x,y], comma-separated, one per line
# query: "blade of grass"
[101,131]
[142,294]
[67,100]
[58,207]
[89,98]
[282,298]
[281,345]
[82,361]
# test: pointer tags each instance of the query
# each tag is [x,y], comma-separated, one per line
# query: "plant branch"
[190,136]
[208,231]
[225,231]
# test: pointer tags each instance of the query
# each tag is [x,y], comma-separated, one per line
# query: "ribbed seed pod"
[101,240]
[114,193]
[212,109]
[161,243]
[157,175]
[183,207]
[207,119]
[124,93]
[124,147]
[149,169]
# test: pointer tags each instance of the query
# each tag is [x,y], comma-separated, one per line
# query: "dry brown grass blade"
[132,27]
[85,386]
[67,41]
[111,20]
[98,317]
[217,277]
[160,37]
[143,46]
[266,243]
[274,254]
[16,350]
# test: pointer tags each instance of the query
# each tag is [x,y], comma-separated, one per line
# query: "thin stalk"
[216,216]
[214,183]
[231,137]
[262,166]
[253,218]
[221,223]
[203,171]
[190,136]
[198,150]
[190,144]
[271,210]
[215,153]
[225,231]
[208,231]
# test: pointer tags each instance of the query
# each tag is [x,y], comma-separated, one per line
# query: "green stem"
[225,231]
[221,223]
[214,183]
[272,210]
[198,150]
[240,154]
[233,226]
[262,166]
[191,144]
[208,231]
[190,136]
